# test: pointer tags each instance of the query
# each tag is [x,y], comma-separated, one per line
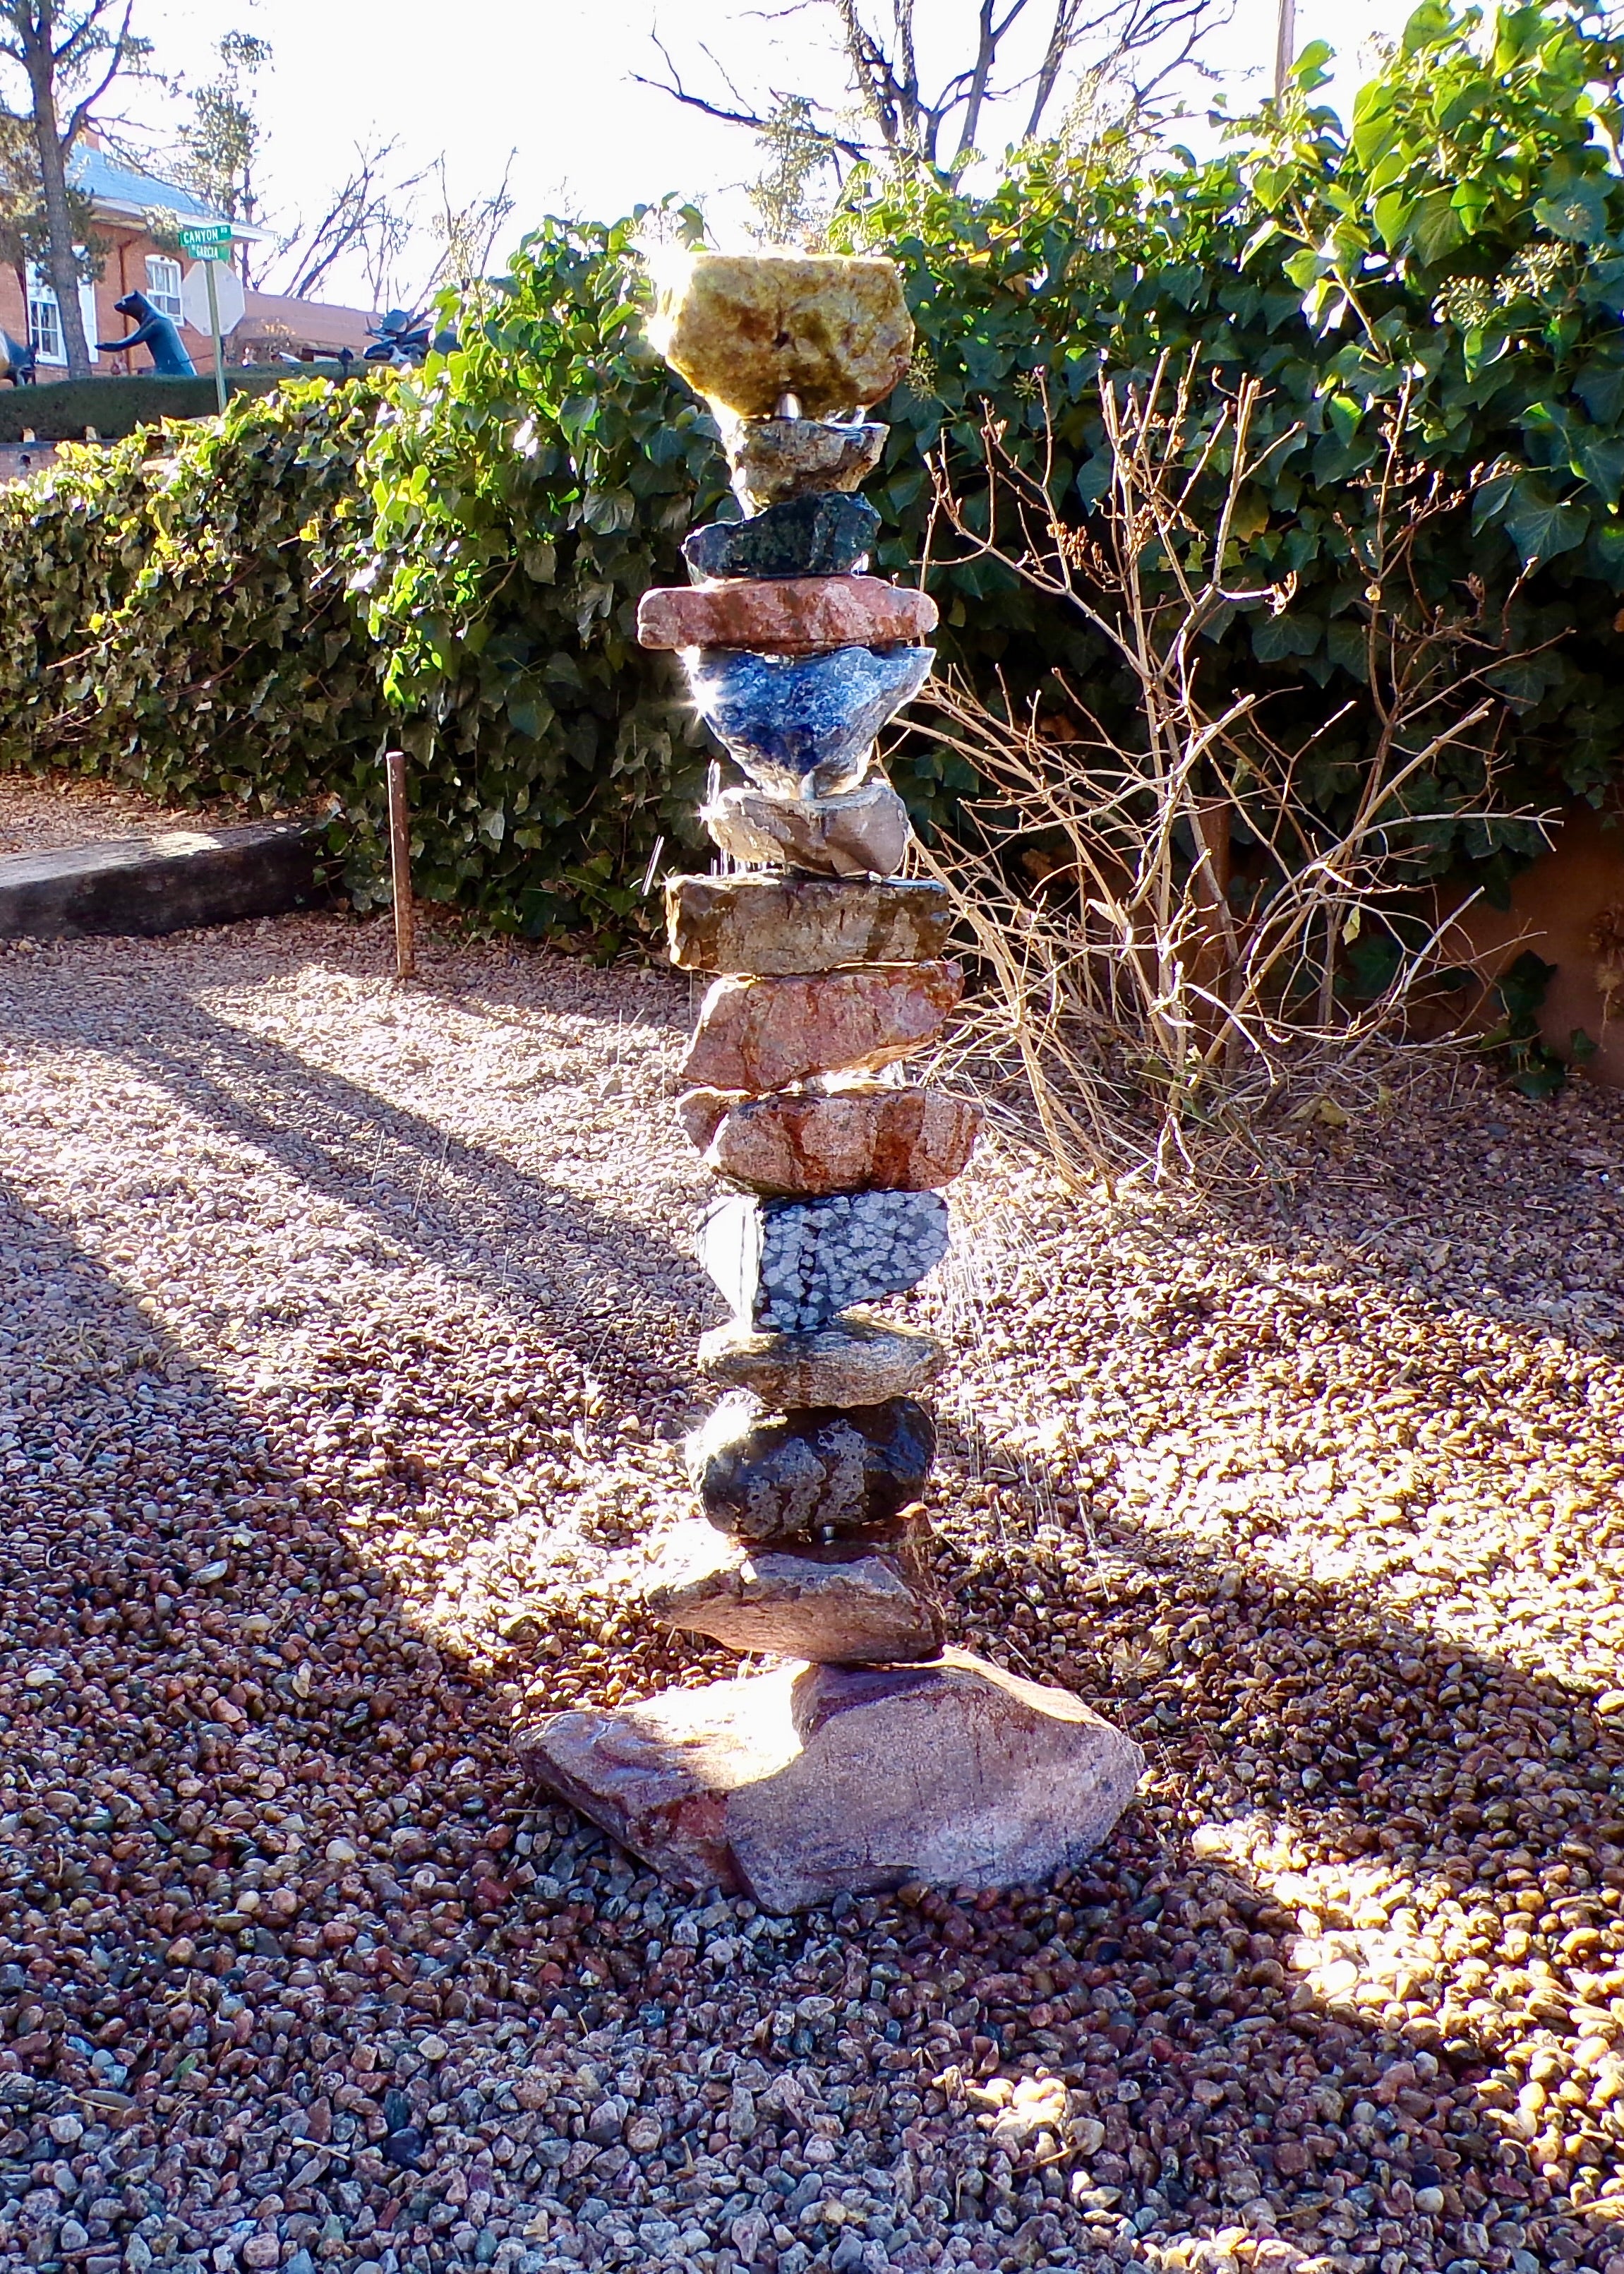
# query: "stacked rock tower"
[871,1755]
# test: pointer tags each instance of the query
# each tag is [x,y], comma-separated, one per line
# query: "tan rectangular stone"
[762,926]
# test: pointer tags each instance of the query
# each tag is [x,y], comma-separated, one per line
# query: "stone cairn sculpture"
[871,1755]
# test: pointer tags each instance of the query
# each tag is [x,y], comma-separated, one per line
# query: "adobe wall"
[1554,908]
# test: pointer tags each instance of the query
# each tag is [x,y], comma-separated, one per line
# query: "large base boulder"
[793,1786]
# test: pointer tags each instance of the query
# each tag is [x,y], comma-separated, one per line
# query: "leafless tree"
[368,217]
[468,234]
[69,55]
[1136,48]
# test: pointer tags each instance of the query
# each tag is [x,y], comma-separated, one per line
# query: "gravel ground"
[48,813]
[345,1335]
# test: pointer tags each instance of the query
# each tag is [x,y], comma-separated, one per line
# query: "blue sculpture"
[804,725]
[401,339]
[155,332]
[16,361]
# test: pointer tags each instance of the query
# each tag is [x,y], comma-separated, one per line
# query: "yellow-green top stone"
[744,329]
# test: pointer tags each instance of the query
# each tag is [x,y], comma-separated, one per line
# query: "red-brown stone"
[794,1786]
[852,1141]
[762,1035]
[786,616]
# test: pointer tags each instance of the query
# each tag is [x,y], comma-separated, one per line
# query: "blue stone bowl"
[804,725]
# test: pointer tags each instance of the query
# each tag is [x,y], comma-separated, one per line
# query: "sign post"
[209,243]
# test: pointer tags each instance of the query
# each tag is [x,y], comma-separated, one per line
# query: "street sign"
[227,295]
[210,299]
[207,240]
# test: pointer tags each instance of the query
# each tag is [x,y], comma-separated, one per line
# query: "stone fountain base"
[799,1784]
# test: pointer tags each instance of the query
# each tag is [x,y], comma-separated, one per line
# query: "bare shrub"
[1161,912]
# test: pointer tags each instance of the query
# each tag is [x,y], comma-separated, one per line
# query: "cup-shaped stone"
[763,1034]
[765,926]
[744,329]
[863,832]
[792,1266]
[856,1360]
[774,459]
[819,1474]
[821,533]
[784,616]
[804,725]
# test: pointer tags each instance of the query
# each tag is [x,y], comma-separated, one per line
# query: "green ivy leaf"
[1578,213]
[1539,523]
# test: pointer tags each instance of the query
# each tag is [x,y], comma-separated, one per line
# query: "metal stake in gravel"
[400,867]
[869,1757]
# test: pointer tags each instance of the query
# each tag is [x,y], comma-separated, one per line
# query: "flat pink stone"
[761,1035]
[786,616]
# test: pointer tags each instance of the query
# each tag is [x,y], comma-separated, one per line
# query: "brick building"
[121,199]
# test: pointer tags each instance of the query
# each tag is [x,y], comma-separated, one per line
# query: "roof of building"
[125,190]
[281,323]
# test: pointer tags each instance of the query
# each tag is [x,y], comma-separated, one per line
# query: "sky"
[556,82]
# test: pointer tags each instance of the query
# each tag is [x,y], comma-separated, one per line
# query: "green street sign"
[207,241]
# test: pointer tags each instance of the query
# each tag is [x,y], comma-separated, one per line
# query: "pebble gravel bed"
[50,813]
[344,1337]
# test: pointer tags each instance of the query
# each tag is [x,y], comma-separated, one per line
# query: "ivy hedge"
[60,410]
[460,551]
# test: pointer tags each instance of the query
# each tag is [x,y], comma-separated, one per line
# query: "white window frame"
[163,283]
[42,306]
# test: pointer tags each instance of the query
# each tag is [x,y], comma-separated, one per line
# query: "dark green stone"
[825,533]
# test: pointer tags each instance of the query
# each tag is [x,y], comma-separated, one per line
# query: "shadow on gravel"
[1326,1776]
[214,1720]
[257,1838]
[533,1247]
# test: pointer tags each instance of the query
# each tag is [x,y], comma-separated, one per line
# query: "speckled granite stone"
[856,1360]
[774,459]
[804,725]
[863,832]
[784,616]
[792,1266]
[820,1474]
[821,533]
[744,329]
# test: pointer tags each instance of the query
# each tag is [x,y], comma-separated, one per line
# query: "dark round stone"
[821,1472]
[824,533]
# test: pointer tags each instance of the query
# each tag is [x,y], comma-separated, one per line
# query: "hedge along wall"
[498,518]
[60,410]
[173,611]
[1464,241]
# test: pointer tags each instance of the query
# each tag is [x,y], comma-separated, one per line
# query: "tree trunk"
[61,265]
